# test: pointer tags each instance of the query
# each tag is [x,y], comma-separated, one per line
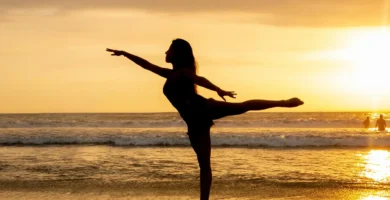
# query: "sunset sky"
[332,54]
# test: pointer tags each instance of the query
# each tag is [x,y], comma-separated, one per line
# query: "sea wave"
[223,137]
[148,120]
[293,123]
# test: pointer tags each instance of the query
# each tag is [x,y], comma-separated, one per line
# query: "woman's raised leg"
[222,109]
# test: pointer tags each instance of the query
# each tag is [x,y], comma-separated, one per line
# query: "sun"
[369,50]
[368,55]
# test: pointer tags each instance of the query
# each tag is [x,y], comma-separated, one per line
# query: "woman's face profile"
[169,55]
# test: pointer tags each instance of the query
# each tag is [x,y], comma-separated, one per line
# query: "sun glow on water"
[374,198]
[377,166]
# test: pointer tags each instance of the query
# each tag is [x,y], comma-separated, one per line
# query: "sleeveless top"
[181,92]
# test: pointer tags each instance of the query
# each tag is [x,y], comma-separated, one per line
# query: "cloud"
[312,13]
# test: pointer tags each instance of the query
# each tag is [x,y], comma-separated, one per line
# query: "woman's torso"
[180,90]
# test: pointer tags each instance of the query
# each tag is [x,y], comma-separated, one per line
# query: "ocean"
[257,155]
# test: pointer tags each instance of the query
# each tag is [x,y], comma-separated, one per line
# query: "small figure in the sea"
[366,122]
[381,123]
[197,111]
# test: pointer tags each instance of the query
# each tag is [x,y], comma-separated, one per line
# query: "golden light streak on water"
[374,198]
[377,166]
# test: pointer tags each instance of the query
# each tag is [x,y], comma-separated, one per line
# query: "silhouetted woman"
[197,111]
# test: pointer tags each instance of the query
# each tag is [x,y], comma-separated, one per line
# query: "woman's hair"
[183,55]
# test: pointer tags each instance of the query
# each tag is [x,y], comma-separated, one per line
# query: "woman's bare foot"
[293,102]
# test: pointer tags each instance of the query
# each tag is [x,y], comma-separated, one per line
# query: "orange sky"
[53,59]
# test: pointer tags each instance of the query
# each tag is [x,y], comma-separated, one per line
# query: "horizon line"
[15,113]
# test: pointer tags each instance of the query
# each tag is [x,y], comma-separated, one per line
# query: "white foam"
[240,137]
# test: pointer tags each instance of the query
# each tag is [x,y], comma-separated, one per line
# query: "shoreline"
[177,190]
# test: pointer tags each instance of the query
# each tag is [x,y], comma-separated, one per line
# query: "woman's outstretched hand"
[115,52]
[223,93]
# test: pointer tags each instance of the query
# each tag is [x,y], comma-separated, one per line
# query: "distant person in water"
[366,122]
[197,111]
[381,123]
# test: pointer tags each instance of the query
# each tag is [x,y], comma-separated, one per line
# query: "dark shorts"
[200,113]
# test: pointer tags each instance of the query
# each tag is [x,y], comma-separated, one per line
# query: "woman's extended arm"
[164,72]
[203,82]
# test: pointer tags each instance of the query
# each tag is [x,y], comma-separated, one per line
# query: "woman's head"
[180,55]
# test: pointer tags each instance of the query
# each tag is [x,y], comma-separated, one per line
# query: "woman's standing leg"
[200,142]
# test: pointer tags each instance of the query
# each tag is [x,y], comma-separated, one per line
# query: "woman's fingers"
[226,93]
[114,52]
[232,94]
